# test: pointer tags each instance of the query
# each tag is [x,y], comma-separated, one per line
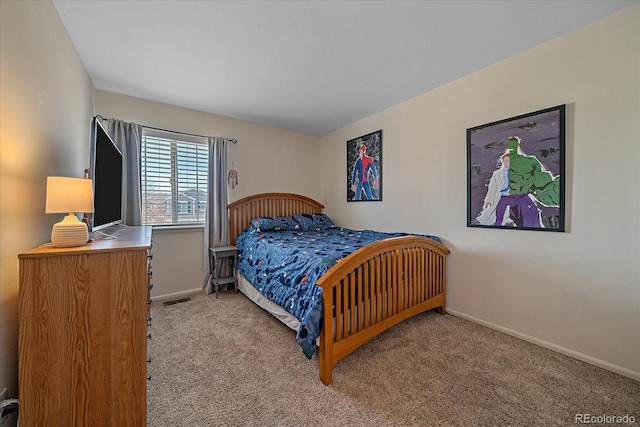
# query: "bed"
[387,279]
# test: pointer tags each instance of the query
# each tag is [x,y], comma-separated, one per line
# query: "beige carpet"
[226,362]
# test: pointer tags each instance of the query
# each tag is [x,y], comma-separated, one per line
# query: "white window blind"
[174,178]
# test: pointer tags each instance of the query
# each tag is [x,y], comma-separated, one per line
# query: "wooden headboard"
[267,204]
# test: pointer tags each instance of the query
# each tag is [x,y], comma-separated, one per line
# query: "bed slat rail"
[375,288]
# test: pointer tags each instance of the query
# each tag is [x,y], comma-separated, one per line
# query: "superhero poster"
[515,170]
[364,168]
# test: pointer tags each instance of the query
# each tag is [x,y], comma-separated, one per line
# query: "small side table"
[216,255]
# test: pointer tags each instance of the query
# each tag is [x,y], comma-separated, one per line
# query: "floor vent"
[176,301]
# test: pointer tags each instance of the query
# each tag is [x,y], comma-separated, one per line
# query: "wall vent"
[176,301]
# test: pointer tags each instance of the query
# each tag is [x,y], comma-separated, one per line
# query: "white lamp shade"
[66,195]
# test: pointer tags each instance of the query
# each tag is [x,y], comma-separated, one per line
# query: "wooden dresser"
[83,332]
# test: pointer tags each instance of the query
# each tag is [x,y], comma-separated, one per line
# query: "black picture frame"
[528,152]
[361,172]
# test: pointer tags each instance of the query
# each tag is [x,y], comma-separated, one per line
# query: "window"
[174,178]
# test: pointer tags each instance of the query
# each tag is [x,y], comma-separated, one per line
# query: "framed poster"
[515,170]
[364,168]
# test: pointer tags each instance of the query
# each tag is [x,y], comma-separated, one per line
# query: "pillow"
[313,222]
[274,223]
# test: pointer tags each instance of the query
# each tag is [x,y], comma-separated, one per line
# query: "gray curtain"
[128,138]
[216,230]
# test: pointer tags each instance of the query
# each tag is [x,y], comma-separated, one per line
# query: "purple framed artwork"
[364,168]
[515,171]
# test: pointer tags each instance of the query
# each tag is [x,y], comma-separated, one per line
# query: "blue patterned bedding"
[284,266]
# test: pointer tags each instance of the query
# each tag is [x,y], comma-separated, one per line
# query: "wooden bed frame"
[374,288]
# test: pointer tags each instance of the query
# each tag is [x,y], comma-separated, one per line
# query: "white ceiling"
[309,66]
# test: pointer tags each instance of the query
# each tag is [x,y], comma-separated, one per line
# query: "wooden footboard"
[375,288]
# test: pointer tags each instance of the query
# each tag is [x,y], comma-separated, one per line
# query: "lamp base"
[69,232]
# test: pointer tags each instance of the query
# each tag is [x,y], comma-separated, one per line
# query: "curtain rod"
[231,140]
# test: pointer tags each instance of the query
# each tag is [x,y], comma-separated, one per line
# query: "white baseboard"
[557,348]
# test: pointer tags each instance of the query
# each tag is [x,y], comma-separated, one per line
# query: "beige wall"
[46,103]
[266,158]
[577,292]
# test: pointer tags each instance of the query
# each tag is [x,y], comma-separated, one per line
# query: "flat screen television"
[106,172]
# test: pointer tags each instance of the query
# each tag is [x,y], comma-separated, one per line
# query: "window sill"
[161,229]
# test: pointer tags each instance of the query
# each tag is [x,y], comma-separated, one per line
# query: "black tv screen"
[106,173]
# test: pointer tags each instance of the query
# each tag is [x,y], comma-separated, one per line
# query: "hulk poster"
[515,170]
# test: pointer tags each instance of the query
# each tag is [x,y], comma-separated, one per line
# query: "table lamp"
[71,196]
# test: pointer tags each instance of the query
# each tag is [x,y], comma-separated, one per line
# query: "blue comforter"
[284,266]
